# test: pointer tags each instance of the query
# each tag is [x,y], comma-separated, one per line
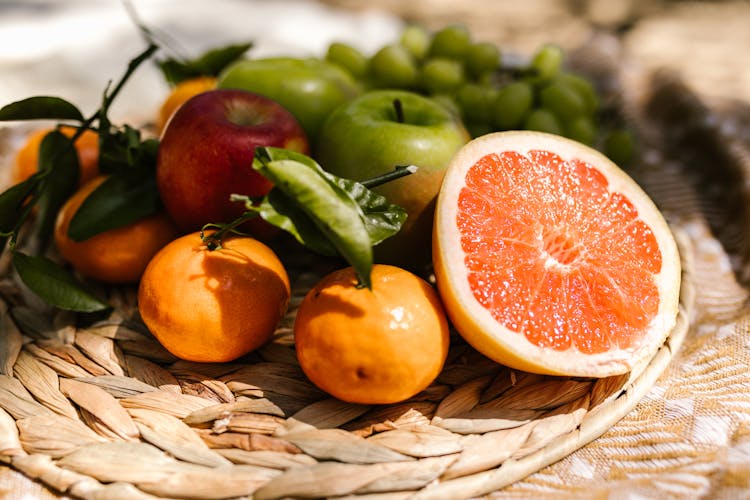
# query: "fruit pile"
[547,256]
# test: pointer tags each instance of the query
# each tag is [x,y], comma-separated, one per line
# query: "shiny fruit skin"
[181,93]
[363,139]
[213,305]
[116,256]
[310,88]
[206,154]
[374,346]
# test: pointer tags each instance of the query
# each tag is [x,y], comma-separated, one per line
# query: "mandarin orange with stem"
[209,304]
[550,259]
[26,161]
[116,256]
[372,346]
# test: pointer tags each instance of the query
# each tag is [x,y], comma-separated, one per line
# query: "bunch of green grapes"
[471,78]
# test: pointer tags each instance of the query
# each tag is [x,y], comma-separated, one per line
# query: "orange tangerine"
[375,346]
[181,93]
[87,146]
[213,305]
[550,259]
[116,256]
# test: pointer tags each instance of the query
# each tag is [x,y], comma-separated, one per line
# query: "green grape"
[452,41]
[448,102]
[547,62]
[475,102]
[619,146]
[511,104]
[481,59]
[584,88]
[348,58]
[543,121]
[562,100]
[393,66]
[582,129]
[416,39]
[441,75]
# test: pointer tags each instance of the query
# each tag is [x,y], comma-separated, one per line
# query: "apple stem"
[399,108]
[398,172]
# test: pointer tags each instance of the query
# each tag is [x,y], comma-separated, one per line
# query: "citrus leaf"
[40,108]
[210,63]
[281,211]
[119,200]
[331,209]
[12,201]
[54,284]
[382,218]
[12,204]
[121,150]
[58,157]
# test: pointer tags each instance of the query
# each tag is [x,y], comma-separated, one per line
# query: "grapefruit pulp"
[550,259]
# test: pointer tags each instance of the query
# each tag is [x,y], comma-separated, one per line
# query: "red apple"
[206,154]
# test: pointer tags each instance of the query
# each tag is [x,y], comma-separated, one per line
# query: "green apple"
[310,88]
[369,136]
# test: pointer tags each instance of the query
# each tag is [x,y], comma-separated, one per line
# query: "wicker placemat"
[102,411]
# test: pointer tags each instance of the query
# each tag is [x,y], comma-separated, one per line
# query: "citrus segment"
[551,259]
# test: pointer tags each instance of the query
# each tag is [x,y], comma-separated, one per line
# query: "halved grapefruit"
[550,259]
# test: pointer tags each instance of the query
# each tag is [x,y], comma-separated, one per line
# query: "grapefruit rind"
[476,324]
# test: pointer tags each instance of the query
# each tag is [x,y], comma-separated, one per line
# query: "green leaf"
[13,203]
[40,108]
[281,211]
[330,208]
[54,284]
[58,158]
[210,63]
[119,200]
[382,218]
[121,150]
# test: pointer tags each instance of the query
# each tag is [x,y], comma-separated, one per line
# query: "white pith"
[476,323]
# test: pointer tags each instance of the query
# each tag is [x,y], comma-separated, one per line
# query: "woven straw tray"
[103,411]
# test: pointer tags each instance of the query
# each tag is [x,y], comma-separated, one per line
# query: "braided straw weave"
[105,411]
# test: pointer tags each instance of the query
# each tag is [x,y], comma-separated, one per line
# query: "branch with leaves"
[326,214]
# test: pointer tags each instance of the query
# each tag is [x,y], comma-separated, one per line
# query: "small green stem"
[398,172]
[213,240]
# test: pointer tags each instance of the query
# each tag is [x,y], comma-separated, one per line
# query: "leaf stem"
[398,172]
[132,66]
[213,240]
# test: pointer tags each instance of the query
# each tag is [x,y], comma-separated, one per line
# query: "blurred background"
[73,48]
[706,41]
